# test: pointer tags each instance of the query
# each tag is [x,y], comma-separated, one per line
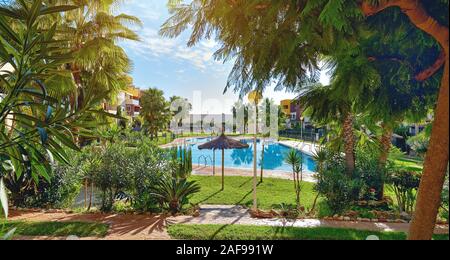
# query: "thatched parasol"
[223,143]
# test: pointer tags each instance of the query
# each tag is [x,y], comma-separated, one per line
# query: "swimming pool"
[274,156]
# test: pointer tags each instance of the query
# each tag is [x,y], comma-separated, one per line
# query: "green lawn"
[238,191]
[238,232]
[409,164]
[54,229]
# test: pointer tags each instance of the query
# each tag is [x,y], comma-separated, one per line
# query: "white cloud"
[153,45]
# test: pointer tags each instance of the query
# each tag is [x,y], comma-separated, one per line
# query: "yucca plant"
[295,159]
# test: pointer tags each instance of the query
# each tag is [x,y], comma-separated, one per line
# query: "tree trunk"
[349,143]
[436,162]
[435,168]
[386,144]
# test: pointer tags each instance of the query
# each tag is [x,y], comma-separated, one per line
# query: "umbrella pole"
[262,162]
[214,162]
[223,169]
[255,163]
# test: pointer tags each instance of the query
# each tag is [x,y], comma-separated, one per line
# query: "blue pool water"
[274,156]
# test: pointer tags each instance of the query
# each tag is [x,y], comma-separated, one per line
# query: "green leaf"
[58,9]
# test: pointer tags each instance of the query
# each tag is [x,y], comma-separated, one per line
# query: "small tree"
[405,185]
[295,159]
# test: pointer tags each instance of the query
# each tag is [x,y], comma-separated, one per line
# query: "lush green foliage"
[127,171]
[420,143]
[405,185]
[337,187]
[36,127]
[341,189]
[240,232]
[60,191]
[155,111]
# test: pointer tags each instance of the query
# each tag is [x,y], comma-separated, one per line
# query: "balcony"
[132,102]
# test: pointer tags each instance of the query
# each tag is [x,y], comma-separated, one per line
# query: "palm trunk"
[386,144]
[349,143]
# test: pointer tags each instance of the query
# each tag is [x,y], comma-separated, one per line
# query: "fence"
[309,135]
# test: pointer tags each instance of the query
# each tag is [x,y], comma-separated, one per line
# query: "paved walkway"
[228,215]
[154,227]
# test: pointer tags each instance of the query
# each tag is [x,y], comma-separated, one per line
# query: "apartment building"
[128,101]
[294,112]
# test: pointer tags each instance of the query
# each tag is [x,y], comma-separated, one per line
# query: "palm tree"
[155,111]
[319,100]
[101,66]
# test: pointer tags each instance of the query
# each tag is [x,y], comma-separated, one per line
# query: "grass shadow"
[210,196]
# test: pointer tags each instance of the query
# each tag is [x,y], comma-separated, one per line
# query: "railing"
[305,135]
[205,158]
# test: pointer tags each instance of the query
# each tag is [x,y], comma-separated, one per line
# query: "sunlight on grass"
[241,232]
[238,191]
[55,229]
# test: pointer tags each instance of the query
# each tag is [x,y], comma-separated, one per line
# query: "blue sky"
[170,65]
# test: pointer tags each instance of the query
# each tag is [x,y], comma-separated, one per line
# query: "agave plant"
[174,192]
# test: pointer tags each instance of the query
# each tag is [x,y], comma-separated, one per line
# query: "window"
[293,116]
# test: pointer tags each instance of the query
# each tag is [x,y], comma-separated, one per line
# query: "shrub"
[419,143]
[113,175]
[405,185]
[340,189]
[123,172]
[372,176]
[150,165]
[337,187]
[60,192]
